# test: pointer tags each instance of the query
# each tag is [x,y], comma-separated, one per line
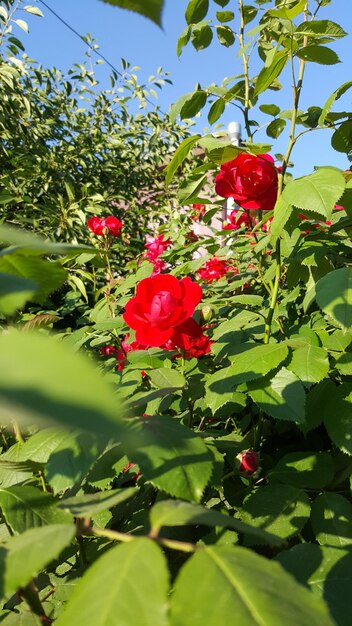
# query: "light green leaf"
[310,364]
[28,243]
[312,470]
[26,555]
[282,512]
[27,507]
[268,74]
[334,295]
[282,213]
[152,9]
[181,153]
[48,275]
[131,580]
[202,37]
[225,16]
[225,585]
[331,99]
[283,397]
[33,10]
[167,377]
[183,40]
[171,456]
[331,519]
[320,28]
[317,192]
[255,362]
[38,447]
[41,381]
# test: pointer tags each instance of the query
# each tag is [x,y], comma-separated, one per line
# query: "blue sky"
[121,33]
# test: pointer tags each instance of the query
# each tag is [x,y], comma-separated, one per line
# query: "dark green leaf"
[330,101]
[225,35]
[181,153]
[15,291]
[27,507]
[183,40]
[171,456]
[49,276]
[89,503]
[225,16]
[152,9]
[196,11]
[311,470]
[310,363]
[275,128]
[318,54]
[342,137]
[320,28]
[201,37]
[192,106]
[270,109]
[332,520]
[268,74]
[216,110]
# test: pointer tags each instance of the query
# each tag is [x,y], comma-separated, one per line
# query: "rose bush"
[250,180]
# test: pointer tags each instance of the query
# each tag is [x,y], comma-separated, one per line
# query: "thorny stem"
[31,596]
[114,535]
[297,87]
[246,74]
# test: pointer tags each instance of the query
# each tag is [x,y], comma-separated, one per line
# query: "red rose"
[199,209]
[161,303]
[249,461]
[236,219]
[156,246]
[214,269]
[250,180]
[105,225]
[190,338]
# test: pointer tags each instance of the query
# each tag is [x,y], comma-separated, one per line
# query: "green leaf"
[342,137]
[343,364]
[222,3]
[331,520]
[48,275]
[310,364]
[28,243]
[268,74]
[44,384]
[255,362]
[331,99]
[317,192]
[89,503]
[249,13]
[69,463]
[334,295]
[225,16]
[282,512]
[282,213]
[320,28]
[283,397]
[225,585]
[270,109]
[13,618]
[171,456]
[225,35]
[38,447]
[178,513]
[337,416]
[152,9]
[131,580]
[26,555]
[27,507]
[318,54]
[183,40]
[217,150]
[275,128]
[33,10]
[196,11]
[201,39]
[181,153]
[326,571]
[216,110]
[15,291]
[190,188]
[312,470]
[166,377]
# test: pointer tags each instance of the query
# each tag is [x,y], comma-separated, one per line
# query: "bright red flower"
[190,339]
[236,219]
[214,269]
[249,461]
[156,246]
[105,225]
[108,350]
[158,266]
[161,303]
[250,180]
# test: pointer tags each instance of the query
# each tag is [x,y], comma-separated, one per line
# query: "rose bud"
[249,461]
[207,313]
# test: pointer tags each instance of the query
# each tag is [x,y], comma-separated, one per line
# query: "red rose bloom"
[236,219]
[105,225]
[249,461]
[156,246]
[250,180]
[214,269]
[161,303]
[190,338]
[199,210]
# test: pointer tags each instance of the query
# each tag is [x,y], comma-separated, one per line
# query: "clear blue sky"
[121,33]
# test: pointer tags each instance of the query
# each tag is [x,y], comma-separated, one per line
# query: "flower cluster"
[120,353]
[252,181]
[198,211]
[155,246]
[105,225]
[214,269]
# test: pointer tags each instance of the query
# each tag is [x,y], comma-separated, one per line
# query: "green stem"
[114,535]
[246,74]
[31,596]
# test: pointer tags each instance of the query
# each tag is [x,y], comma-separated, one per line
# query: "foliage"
[204,477]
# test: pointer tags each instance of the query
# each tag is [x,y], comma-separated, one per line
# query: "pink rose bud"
[249,461]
